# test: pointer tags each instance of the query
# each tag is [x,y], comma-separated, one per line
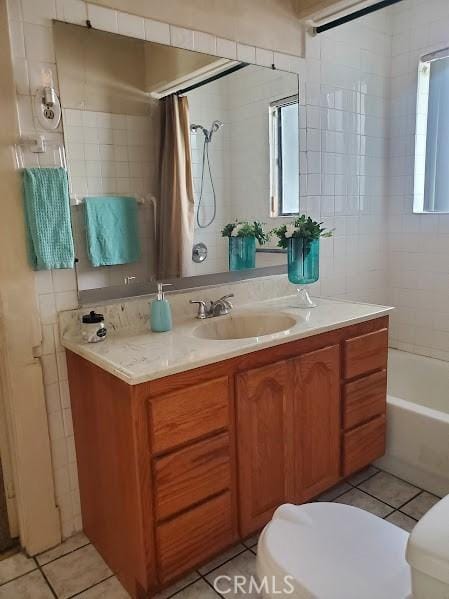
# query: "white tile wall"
[353,263]
[207,104]
[418,243]
[250,92]
[111,154]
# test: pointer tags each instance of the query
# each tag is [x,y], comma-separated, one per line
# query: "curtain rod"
[355,15]
[237,67]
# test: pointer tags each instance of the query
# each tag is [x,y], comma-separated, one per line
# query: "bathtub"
[418,421]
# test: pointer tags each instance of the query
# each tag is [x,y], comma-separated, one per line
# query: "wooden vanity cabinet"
[316,383]
[265,429]
[173,471]
[288,430]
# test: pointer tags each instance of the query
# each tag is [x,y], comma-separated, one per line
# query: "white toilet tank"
[428,553]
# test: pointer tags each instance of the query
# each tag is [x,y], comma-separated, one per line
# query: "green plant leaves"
[246,229]
[304,228]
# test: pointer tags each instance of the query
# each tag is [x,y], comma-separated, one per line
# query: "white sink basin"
[242,326]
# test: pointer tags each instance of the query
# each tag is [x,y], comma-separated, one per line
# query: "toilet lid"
[335,551]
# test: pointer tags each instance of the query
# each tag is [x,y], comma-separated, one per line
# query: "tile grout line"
[362,481]
[225,562]
[44,576]
[203,576]
[414,497]
[2,584]
[40,568]
[385,502]
[398,478]
[398,511]
[211,585]
[334,498]
[91,587]
[408,515]
[63,555]
[184,587]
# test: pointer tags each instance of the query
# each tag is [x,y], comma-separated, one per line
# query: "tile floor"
[74,569]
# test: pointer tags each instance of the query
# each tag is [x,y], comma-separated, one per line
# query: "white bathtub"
[418,421]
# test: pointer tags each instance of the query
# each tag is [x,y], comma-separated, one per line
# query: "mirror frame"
[118,292]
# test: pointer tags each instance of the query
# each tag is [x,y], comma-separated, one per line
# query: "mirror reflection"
[180,163]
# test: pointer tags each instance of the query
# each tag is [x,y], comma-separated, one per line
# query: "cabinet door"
[265,433]
[317,420]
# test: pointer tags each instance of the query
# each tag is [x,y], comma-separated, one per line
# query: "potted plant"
[242,237]
[301,239]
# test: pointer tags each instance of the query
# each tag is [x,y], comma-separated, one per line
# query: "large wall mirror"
[196,141]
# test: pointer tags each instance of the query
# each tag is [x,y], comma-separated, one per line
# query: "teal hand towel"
[112,230]
[47,216]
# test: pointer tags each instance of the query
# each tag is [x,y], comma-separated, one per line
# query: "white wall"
[347,89]
[344,83]
[418,243]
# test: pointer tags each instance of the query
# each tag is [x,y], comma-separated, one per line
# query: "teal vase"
[242,253]
[303,267]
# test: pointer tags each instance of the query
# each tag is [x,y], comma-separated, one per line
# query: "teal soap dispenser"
[160,316]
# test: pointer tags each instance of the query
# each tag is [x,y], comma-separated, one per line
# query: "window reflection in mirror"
[284,156]
[145,121]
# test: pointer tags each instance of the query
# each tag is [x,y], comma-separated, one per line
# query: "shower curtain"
[176,209]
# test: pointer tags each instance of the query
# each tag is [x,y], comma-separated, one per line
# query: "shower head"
[216,125]
[194,128]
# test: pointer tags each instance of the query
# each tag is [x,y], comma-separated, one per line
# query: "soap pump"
[160,317]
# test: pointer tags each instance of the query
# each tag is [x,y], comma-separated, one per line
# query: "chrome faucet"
[211,309]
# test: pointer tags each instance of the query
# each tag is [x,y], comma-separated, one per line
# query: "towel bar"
[39,144]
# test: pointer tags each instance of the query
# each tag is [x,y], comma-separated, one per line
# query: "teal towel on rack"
[47,216]
[112,230]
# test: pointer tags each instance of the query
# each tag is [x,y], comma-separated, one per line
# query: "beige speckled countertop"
[140,357]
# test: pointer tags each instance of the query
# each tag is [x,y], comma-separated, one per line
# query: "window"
[431,188]
[284,156]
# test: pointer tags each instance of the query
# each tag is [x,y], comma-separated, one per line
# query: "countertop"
[138,358]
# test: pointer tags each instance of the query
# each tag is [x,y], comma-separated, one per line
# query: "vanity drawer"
[363,444]
[191,475]
[195,536]
[189,414]
[364,399]
[365,353]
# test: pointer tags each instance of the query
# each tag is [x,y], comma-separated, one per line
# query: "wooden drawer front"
[364,399]
[195,536]
[189,414]
[363,444]
[191,475]
[366,353]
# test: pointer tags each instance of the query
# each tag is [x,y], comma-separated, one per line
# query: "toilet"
[336,551]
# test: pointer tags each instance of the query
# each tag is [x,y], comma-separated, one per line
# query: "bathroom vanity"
[187,443]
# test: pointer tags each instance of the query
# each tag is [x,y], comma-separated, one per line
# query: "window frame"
[421,139]
[275,148]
